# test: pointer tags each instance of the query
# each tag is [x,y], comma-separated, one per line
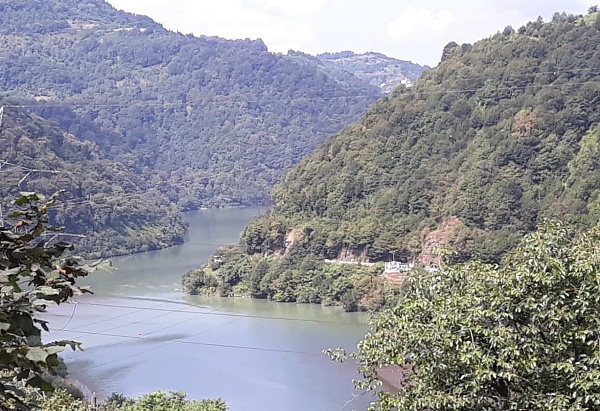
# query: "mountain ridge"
[216,121]
[502,134]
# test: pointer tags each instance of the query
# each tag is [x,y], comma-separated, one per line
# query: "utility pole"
[1,115]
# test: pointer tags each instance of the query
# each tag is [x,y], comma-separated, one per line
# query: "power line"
[325,98]
[228,346]
[112,318]
[196,315]
[218,314]
[497,88]
[163,344]
[231,98]
[70,319]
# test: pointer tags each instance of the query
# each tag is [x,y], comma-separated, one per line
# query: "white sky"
[405,29]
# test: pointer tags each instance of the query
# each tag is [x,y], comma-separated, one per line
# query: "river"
[141,334]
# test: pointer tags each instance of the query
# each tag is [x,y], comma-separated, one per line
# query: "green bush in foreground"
[522,335]
[156,401]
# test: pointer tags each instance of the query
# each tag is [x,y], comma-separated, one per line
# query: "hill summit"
[209,121]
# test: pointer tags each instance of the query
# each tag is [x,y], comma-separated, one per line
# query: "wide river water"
[141,334]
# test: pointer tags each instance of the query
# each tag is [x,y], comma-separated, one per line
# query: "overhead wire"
[242,316]
[229,346]
[77,202]
[69,321]
[412,91]
[110,318]
[160,345]
[217,313]
[196,315]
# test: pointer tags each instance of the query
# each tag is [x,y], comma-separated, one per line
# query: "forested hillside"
[502,134]
[212,121]
[372,69]
[379,70]
[102,198]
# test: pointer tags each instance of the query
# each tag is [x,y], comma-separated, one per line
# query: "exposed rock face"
[438,239]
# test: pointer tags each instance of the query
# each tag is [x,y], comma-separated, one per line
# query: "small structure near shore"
[398,267]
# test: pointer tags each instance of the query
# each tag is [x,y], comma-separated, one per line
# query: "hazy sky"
[406,29]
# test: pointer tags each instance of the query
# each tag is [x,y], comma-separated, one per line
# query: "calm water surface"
[141,334]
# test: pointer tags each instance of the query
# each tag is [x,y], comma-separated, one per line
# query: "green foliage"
[55,17]
[156,401]
[501,134]
[102,199]
[33,274]
[520,335]
[291,277]
[206,121]
[60,400]
[174,401]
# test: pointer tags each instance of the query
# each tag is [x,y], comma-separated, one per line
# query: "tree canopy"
[208,121]
[502,134]
[103,201]
[155,401]
[524,334]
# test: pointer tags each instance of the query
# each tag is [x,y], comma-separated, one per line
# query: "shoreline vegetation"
[454,167]
[291,278]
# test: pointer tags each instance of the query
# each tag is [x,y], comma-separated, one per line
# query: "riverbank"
[140,334]
[85,391]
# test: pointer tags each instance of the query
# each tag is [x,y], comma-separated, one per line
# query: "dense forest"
[102,199]
[211,121]
[503,133]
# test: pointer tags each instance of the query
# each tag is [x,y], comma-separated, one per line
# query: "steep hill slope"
[501,134]
[212,121]
[379,70]
[371,69]
[102,199]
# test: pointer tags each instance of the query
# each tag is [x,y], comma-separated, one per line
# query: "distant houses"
[391,267]
[398,267]
[394,267]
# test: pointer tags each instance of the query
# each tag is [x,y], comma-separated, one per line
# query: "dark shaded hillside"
[102,199]
[212,121]
[501,134]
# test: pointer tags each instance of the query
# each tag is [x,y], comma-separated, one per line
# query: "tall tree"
[524,335]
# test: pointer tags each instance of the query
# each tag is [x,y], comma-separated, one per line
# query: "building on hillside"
[398,267]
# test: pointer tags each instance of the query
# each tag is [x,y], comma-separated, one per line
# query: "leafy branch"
[33,275]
